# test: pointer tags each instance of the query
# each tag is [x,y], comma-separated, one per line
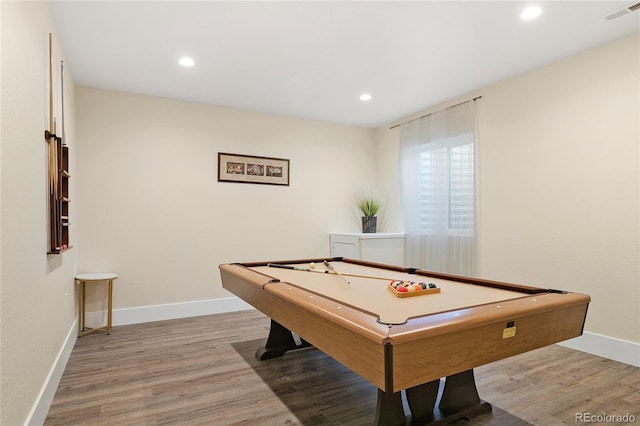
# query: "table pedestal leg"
[389,411]
[280,340]
[460,397]
[459,391]
[422,399]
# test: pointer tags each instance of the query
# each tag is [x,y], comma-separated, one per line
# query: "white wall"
[38,303]
[560,193]
[559,183]
[388,177]
[152,211]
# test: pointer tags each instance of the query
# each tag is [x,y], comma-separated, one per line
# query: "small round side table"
[82,279]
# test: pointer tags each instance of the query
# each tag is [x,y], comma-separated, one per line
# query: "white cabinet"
[381,247]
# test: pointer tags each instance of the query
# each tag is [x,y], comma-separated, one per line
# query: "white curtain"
[438,166]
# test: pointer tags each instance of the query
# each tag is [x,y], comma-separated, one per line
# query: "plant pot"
[369,224]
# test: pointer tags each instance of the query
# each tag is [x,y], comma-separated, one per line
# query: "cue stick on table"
[328,265]
[299,268]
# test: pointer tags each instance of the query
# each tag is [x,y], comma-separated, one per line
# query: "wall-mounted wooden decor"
[58,170]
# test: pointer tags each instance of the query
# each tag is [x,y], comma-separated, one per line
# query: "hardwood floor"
[202,371]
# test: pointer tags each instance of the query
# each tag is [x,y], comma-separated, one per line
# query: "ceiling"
[314,59]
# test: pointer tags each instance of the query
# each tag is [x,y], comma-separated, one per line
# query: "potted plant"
[369,206]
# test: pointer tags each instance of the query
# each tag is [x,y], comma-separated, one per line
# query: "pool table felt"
[373,296]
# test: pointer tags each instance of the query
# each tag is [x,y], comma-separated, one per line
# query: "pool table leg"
[422,399]
[389,411]
[460,396]
[459,391]
[280,340]
[458,399]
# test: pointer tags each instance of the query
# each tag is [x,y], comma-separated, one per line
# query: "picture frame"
[242,168]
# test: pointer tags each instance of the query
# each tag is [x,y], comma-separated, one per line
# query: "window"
[438,190]
[446,188]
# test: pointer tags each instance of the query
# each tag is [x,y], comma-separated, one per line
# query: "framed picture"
[252,169]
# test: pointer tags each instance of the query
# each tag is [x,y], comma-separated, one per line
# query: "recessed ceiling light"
[186,62]
[530,13]
[365,97]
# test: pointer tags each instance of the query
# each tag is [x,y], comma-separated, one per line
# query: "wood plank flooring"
[202,371]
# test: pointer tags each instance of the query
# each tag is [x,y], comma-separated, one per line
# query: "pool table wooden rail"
[442,348]
[449,322]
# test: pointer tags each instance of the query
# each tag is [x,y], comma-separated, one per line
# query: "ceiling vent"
[618,13]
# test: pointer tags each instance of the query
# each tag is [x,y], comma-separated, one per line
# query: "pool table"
[346,309]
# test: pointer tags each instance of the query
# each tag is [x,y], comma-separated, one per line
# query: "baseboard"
[40,408]
[152,313]
[606,347]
